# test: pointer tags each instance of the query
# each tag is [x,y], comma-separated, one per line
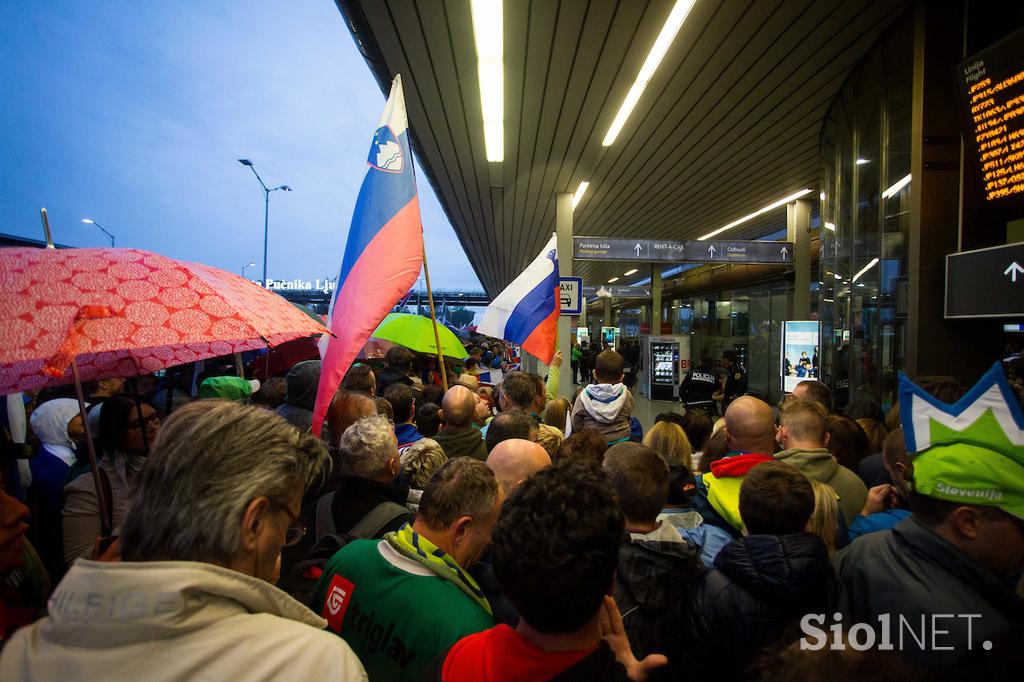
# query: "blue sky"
[135,113]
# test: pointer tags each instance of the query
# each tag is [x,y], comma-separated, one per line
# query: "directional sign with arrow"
[984,283]
[693,251]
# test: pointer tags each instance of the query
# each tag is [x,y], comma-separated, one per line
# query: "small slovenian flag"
[526,312]
[383,255]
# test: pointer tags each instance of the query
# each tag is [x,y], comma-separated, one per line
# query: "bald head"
[750,426]
[514,460]
[458,406]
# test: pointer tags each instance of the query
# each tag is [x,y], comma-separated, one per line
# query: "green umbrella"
[416,333]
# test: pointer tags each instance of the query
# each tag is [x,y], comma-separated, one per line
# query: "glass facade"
[748,320]
[865,214]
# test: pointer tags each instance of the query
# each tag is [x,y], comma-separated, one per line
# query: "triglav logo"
[335,600]
[339,595]
[934,632]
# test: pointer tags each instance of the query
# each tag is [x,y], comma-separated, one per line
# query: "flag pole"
[441,369]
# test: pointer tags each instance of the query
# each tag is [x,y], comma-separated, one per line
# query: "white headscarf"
[50,424]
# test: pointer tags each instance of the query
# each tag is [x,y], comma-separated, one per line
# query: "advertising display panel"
[799,353]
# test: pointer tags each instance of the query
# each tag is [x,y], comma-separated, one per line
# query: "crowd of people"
[506,532]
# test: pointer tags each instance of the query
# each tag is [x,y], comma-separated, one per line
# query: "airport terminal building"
[873,141]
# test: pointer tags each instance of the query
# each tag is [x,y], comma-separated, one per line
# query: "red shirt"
[501,654]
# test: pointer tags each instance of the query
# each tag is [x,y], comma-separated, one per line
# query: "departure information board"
[991,85]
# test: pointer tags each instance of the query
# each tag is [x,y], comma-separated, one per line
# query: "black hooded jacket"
[300,396]
[761,587]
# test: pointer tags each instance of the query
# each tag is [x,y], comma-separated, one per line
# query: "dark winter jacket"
[653,579]
[462,442]
[391,376]
[761,587]
[912,572]
[300,395]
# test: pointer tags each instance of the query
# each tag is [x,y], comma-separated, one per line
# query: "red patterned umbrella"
[123,312]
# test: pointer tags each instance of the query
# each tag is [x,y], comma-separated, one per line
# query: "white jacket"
[174,620]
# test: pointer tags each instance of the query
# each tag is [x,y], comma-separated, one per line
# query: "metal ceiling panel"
[729,122]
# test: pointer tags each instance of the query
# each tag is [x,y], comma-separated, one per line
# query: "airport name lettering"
[324,285]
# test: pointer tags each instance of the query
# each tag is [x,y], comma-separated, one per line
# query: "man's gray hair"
[462,487]
[421,460]
[366,446]
[209,461]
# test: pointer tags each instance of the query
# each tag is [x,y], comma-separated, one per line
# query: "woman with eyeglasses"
[126,431]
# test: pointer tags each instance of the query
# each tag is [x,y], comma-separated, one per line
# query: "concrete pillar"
[607,312]
[655,300]
[563,234]
[798,225]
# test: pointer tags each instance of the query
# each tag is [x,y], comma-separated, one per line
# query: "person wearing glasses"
[124,441]
[192,596]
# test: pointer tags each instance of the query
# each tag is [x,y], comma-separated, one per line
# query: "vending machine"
[663,367]
[665,360]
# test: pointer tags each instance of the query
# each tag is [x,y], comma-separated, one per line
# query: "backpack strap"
[376,520]
[324,518]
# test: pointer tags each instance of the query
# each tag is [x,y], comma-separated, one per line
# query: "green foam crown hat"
[972,451]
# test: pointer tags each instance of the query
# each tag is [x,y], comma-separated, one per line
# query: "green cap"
[970,452]
[229,388]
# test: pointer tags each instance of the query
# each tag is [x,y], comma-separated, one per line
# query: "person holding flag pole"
[383,254]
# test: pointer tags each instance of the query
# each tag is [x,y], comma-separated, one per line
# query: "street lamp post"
[266,209]
[248,265]
[90,221]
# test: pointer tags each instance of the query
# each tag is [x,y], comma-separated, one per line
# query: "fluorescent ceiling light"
[487,32]
[628,273]
[822,196]
[580,191]
[873,263]
[838,276]
[613,280]
[900,184]
[861,162]
[769,207]
[830,226]
[668,33]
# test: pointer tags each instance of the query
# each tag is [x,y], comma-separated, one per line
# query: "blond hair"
[825,520]
[669,440]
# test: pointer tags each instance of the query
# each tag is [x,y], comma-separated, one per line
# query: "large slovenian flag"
[383,255]
[526,312]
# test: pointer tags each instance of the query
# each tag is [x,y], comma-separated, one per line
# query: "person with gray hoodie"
[300,396]
[607,404]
